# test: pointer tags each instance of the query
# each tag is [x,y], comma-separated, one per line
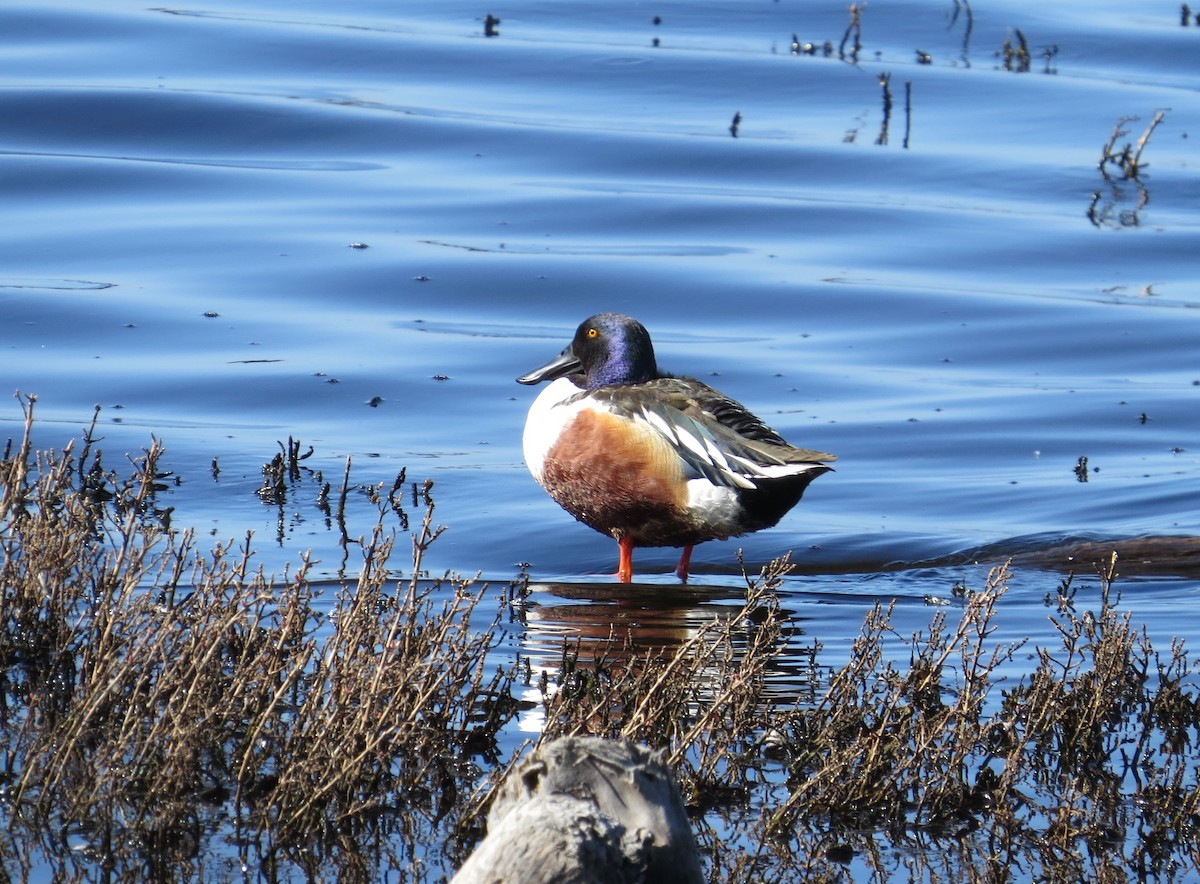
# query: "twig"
[1136,162]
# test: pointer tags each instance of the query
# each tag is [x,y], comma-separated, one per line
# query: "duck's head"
[608,348]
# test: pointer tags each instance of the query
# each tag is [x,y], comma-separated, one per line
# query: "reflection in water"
[625,628]
[885,80]
[1119,205]
[1111,209]
[964,7]
[630,620]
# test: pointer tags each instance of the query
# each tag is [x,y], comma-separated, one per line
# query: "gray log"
[583,810]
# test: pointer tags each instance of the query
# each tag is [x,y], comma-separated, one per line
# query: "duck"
[654,459]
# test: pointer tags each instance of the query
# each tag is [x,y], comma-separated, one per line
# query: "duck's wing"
[714,435]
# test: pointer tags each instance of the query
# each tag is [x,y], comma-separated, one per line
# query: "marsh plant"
[154,695]
[917,757]
[169,713]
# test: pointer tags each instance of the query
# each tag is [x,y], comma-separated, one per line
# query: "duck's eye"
[593,332]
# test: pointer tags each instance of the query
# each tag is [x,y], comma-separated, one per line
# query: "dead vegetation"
[1015,55]
[918,745]
[154,695]
[1128,159]
[168,713]
[1127,193]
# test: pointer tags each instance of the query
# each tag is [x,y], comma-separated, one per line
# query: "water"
[960,306]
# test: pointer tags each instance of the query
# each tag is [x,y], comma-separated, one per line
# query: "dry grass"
[184,715]
[914,758]
[149,685]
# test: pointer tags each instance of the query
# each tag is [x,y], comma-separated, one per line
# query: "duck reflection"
[638,617]
[577,633]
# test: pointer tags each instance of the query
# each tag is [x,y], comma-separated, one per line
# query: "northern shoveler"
[652,459]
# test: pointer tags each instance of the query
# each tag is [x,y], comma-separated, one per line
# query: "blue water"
[959,311]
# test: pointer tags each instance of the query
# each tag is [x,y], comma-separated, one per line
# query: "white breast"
[547,418]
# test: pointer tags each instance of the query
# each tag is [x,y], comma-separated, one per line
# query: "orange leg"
[685,559]
[625,567]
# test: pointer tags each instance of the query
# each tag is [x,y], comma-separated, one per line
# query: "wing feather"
[714,435]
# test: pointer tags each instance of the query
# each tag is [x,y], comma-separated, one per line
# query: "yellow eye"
[593,333]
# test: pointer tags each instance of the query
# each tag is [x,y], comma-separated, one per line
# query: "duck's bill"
[565,364]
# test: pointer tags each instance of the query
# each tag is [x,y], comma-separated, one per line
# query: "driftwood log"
[583,810]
